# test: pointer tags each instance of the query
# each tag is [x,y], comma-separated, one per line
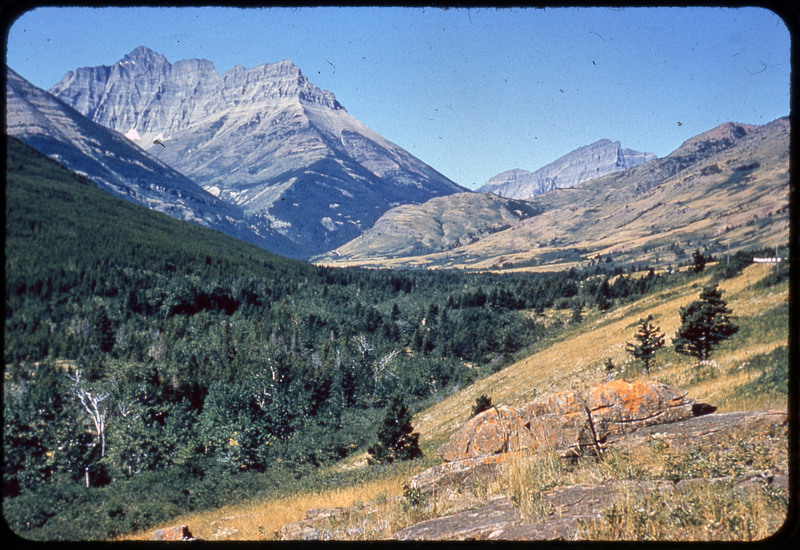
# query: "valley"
[735,380]
[239,373]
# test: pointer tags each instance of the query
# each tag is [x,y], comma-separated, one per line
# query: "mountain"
[59,220]
[440,224]
[724,189]
[582,164]
[117,164]
[264,139]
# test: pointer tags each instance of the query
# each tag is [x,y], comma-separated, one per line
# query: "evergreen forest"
[153,366]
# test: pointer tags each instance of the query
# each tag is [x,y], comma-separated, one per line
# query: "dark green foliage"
[648,341]
[699,261]
[396,437]
[415,499]
[704,324]
[577,312]
[219,361]
[482,403]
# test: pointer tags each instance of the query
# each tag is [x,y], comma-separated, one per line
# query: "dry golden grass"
[576,359]
[264,520]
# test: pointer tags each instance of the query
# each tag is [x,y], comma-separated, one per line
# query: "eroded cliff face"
[265,139]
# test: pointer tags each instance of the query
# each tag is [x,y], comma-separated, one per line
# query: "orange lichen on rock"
[497,430]
[572,419]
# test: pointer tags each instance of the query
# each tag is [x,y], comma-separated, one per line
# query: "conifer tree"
[396,437]
[648,341]
[704,324]
[699,261]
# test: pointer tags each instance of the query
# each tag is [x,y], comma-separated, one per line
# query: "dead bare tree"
[91,403]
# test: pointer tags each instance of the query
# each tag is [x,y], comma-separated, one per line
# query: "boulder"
[575,422]
[580,422]
[497,430]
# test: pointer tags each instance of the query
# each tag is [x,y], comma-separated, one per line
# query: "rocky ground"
[582,426]
[618,452]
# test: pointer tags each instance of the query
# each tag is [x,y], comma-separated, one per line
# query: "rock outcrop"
[476,524]
[571,506]
[628,415]
[575,422]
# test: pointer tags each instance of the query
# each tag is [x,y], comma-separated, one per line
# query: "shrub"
[482,403]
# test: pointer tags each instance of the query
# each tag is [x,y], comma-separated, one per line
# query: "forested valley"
[153,366]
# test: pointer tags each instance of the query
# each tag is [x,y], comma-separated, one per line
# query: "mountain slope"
[265,139]
[438,225]
[117,164]
[725,188]
[57,219]
[582,164]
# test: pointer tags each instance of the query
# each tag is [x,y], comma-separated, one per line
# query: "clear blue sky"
[471,92]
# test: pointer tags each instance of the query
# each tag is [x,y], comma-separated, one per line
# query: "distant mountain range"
[265,140]
[117,164]
[590,161]
[265,156]
[724,189]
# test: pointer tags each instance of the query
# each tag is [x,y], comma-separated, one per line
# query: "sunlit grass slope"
[574,359]
[577,358]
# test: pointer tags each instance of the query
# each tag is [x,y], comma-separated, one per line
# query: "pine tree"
[396,437]
[699,261]
[704,324]
[648,341]
[577,312]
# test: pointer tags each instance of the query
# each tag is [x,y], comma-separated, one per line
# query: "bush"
[482,403]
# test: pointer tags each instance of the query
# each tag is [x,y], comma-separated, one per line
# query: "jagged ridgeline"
[265,140]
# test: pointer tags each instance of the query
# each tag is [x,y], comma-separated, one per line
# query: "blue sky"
[471,92]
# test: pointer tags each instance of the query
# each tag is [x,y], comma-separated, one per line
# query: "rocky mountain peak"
[265,139]
[590,161]
[144,55]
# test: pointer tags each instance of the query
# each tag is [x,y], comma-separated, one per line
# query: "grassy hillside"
[440,224]
[748,372]
[576,359]
[702,195]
